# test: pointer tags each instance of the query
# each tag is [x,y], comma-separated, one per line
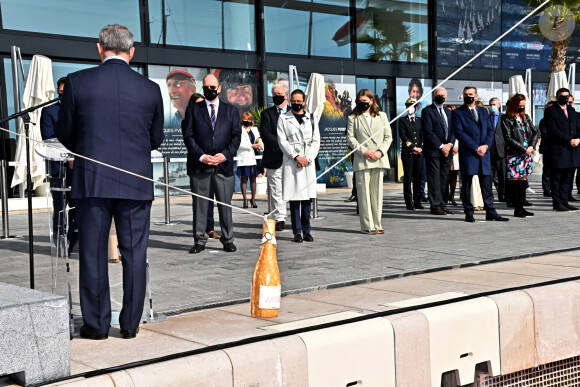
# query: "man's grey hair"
[438,89]
[494,99]
[116,38]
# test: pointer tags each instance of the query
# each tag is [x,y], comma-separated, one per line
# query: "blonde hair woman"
[370,160]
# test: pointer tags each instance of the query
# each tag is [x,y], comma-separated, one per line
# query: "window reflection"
[301,27]
[392,30]
[65,17]
[203,23]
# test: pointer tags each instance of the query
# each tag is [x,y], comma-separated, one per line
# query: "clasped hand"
[574,142]
[481,150]
[301,162]
[213,160]
[446,149]
[373,156]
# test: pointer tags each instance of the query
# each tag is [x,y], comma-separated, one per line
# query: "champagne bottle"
[266,290]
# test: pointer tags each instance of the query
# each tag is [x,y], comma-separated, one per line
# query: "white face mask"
[411,110]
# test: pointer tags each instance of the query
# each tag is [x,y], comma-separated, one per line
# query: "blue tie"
[495,116]
[444,123]
[212,116]
[279,111]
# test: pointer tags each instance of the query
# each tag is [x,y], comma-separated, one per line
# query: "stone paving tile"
[561,259]
[341,255]
[487,278]
[531,269]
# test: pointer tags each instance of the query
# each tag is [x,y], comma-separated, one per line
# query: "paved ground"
[340,255]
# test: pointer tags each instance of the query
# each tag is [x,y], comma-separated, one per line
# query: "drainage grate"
[562,373]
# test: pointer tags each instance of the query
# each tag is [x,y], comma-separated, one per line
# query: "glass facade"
[218,24]
[65,17]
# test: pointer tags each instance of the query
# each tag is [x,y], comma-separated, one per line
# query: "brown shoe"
[213,234]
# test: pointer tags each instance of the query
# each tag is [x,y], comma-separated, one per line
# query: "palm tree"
[389,37]
[559,46]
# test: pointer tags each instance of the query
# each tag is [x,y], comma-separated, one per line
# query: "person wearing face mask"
[497,150]
[299,140]
[563,128]
[246,157]
[272,157]
[411,156]
[472,126]
[212,133]
[521,137]
[438,143]
[48,120]
[369,160]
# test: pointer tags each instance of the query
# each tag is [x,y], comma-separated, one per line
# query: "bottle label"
[270,297]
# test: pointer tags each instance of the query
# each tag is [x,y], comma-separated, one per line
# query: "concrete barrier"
[35,345]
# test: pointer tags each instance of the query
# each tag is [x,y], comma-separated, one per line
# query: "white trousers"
[274,177]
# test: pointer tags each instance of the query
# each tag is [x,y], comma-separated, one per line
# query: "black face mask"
[247,123]
[363,106]
[296,107]
[439,99]
[520,110]
[563,100]
[210,94]
[468,100]
[278,99]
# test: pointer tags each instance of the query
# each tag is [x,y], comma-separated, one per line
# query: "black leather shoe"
[448,212]
[469,218]
[419,206]
[528,213]
[410,208]
[528,204]
[129,334]
[92,336]
[229,247]
[352,198]
[571,207]
[520,213]
[196,249]
[559,207]
[438,212]
[548,194]
[496,217]
[298,238]
[280,225]
[308,237]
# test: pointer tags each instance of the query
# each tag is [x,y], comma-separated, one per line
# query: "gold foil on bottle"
[266,273]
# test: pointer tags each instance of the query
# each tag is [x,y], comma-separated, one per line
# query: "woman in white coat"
[370,160]
[246,163]
[299,140]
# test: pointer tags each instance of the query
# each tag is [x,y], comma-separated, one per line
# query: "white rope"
[425,96]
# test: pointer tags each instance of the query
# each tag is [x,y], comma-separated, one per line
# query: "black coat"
[560,131]
[272,157]
[544,136]
[514,136]
[497,150]
[410,134]
[434,131]
[200,139]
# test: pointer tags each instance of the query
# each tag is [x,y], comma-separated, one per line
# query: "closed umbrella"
[39,88]
[558,80]
[315,97]
[518,86]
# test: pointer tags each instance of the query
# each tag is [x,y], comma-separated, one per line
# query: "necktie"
[412,120]
[212,117]
[444,123]
[279,111]
[495,116]
[566,112]
[474,114]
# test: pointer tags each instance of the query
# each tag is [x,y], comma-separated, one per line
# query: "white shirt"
[282,110]
[115,57]
[216,105]
[441,112]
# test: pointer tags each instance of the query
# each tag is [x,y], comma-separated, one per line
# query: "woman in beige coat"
[370,160]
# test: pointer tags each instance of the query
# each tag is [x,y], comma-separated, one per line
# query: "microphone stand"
[26,119]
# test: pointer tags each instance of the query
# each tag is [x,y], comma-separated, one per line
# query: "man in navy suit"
[472,126]
[48,119]
[497,150]
[563,128]
[212,132]
[438,141]
[114,115]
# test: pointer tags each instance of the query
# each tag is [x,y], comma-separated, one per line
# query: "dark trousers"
[546,172]
[438,181]
[412,171]
[486,193]
[132,224]
[423,177]
[560,181]
[210,222]
[353,192]
[499,175]
[223,186]
[578,179]
[300,216]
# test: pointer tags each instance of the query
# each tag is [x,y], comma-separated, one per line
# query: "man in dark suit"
[114,115]
[48,119]
[563,128]
[497,150]
[272,158]
[546,157]
[212,132]
[411,156]
[575,171]
[472,126]
[438,141]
